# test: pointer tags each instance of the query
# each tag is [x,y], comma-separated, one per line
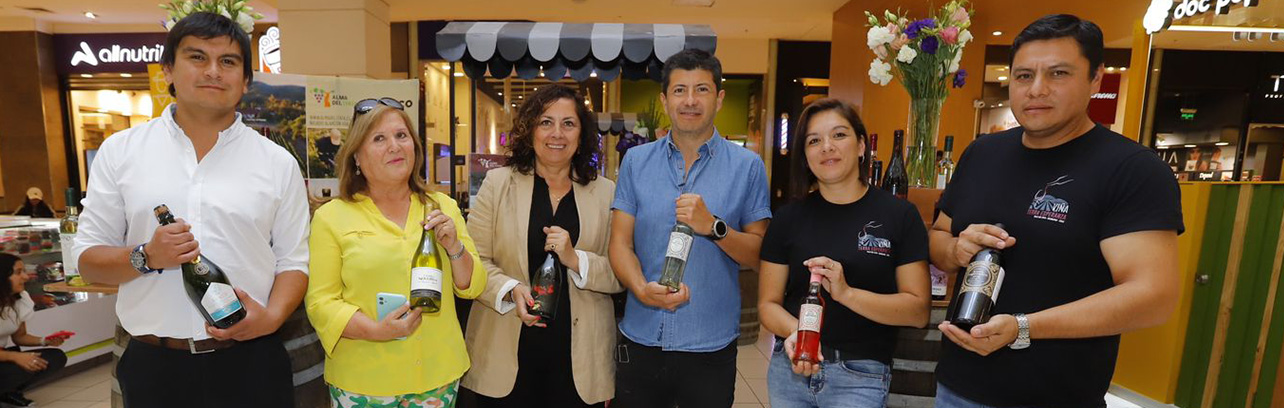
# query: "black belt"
[193,346]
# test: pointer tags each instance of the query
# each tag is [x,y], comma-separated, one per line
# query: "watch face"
[136,259]
[720,228]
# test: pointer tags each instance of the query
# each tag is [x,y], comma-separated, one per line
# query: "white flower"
[877,36]
[907,55]
[880,72]
[954,64]
[964,38]
[169,24]
[245,21]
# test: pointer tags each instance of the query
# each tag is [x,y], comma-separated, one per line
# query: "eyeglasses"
[364,106]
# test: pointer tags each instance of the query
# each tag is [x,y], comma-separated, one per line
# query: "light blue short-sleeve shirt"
[733,183]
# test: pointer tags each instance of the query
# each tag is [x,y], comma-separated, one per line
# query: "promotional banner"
[309,116]
[159,88]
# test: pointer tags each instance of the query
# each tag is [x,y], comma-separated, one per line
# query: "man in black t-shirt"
[1090,245]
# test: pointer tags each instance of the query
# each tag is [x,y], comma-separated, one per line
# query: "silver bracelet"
[457,255]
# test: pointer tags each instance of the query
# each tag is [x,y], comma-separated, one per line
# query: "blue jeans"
[948,399]
[839,384]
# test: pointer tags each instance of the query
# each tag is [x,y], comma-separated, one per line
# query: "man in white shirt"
[240,202]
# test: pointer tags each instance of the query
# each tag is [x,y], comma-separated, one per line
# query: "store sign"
[1105,103]
[107,53]
[1162,13]
[270,51]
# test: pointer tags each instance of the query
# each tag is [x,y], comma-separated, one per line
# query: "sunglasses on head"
[366,105]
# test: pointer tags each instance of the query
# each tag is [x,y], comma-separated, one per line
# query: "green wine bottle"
[207,285]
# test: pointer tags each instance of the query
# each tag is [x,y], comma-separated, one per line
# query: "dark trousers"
[15,379]
[647,377]
[253,373]
[537,389]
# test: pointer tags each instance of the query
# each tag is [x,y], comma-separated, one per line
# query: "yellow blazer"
[357,253]
[499,224]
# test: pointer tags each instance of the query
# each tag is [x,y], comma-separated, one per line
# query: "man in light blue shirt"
[679,347]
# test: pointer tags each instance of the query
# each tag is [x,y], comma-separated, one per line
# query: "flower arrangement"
[236,10]
[924,56]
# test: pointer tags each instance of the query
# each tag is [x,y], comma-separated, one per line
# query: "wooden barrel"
[914,364]
[749,322]
[307,362]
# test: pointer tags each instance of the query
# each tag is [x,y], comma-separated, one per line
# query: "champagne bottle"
[945,168]
[425,272]
[67,233]
[207,285]
[810,317]
[544,288]
[896,181]
[980,289]
[675,258]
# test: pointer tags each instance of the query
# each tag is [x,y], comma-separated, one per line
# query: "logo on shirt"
[872,244]
[1046,206]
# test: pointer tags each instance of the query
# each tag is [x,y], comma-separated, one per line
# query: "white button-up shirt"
[245,201]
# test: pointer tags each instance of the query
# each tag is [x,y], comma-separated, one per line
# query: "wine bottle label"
[679,245]
[425,278]
[220,301]
[940,181]
[809,317]
[985,278]
[69,267]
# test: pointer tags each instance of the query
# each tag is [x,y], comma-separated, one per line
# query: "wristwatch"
[138,259]
[1023,332]
[719,230]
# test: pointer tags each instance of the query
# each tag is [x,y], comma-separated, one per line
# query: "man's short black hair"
[692,59]
[1054,26]
[205,26]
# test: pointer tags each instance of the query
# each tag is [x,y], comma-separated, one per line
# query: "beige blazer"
[499,225]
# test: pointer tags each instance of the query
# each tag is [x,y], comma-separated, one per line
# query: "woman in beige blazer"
[547,199]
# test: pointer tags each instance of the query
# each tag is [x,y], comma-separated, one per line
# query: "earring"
[358,170]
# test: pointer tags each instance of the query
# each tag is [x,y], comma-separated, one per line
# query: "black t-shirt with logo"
[1059,204]
[870,238]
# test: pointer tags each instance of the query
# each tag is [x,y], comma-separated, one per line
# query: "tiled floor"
[88,389]
[92,388]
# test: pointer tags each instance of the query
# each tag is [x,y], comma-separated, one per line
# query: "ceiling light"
[86,75]
[997,33]
[519,97]
[459,74]
[1123,69]
[1222,143]
[91,15]
[1163,147]
[125,75]
[501,94]
[1001,68]
[1189,145]
[1003,78]
[593,74]
[445,66]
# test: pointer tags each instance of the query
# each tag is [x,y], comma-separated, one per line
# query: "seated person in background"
[19,369]
[35,206]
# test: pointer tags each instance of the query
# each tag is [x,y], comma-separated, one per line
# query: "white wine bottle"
[207,285]
[425,272]
[675,258]
[67,233]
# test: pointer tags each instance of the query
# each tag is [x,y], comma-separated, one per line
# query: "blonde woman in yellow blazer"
[363,245]
[518,360]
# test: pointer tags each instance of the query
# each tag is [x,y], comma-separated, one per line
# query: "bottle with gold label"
[979,290]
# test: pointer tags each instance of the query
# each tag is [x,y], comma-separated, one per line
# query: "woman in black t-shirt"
[870,249]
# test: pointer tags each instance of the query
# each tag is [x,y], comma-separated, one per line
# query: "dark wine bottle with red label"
[980,289]
[544,288]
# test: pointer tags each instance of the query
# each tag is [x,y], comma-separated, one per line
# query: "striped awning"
[616,122]
[580,50]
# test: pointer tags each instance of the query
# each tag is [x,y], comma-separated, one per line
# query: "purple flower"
[914,28]
[929,44]
[960,78]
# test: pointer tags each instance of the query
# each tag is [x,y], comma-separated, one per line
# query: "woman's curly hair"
[521,143]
